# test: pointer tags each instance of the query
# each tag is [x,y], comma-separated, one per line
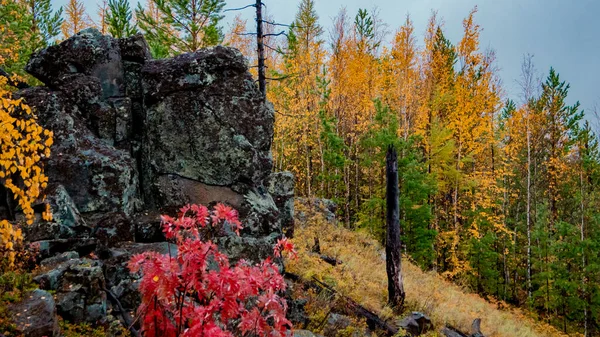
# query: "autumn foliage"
[23,145]
[199,293]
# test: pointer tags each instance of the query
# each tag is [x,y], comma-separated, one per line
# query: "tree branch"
[373,320]
[278,34]
[277,50]
[276,24]
[238,9]
[126,318]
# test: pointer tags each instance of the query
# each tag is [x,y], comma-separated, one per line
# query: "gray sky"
[559,33]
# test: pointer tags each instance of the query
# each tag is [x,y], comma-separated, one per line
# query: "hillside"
[362,277]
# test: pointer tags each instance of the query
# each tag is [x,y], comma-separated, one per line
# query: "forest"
[497,194]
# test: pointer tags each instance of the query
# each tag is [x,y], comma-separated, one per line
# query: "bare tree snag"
[393,252]
[262,81]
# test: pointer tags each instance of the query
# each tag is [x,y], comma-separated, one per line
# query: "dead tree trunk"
[392,244]
[262,80]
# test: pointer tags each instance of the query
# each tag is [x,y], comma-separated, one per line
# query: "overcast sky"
[559,33]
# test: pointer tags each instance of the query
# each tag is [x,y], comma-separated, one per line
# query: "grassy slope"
[362,277]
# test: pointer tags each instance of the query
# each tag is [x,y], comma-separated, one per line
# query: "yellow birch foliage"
[23,145]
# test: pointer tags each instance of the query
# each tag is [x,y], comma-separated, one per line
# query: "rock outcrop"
[136,137]
[35,315]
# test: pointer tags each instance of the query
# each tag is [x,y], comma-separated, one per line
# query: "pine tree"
[45,23]
[25,27]
[14,30]
[119,19]
[181,26]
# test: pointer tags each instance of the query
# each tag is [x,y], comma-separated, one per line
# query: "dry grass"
[362,277]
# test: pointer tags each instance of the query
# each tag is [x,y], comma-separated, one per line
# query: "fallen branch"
[373,320]
[127,322]
[450,331]
[330,259]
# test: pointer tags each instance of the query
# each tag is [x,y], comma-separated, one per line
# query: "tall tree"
[102,13]
[181,26]
[26,26]
[297,142]
[13,36]
[76,19]
[45,23]
[119,19]
[529,84]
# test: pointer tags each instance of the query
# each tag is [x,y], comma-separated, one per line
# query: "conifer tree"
[76,19]
[102,13]
[14,30]
[181,26]
[25,27]
[45,23]
[119,19]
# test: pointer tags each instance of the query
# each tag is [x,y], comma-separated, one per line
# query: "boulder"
[66,220]
[134,48]
[281,186]
[148,227]
[35,315]
[64,210]
[416,324]
[335,324]
[206,122]
[87,52]
[58,259]
[135,138]
[112,228]
[450,331]
[80,295]
[79,289]
[49,248]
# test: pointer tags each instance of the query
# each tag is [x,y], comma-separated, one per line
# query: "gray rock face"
[281,187]
[79,285]
[135,138]
[89,53]
[205,122]
[35,315]
[97,176]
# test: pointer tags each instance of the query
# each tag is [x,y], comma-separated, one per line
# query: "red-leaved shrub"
[198,292]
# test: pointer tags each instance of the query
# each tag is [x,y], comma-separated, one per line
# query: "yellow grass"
[362,277]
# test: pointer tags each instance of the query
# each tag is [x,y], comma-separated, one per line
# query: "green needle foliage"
[119,19]
[180,26]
